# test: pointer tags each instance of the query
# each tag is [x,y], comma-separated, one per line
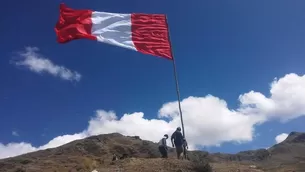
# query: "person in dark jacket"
[163,146]
[177,141]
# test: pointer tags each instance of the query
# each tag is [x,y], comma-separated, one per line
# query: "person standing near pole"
[177,141]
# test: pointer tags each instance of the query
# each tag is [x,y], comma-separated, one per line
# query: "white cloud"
[15,133]
[14,149]
[208,121]
[31,59]
[287,100]
[61,140]
[281,137]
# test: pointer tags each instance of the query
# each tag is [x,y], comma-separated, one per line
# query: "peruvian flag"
[146,33]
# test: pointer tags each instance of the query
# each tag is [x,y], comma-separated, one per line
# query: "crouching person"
[163,146]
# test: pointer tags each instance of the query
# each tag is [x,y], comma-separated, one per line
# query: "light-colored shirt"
[162,142]
[185,143]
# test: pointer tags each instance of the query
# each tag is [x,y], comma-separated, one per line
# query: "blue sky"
[222,48]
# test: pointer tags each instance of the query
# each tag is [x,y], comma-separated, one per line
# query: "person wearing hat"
[177,141]
[163,146]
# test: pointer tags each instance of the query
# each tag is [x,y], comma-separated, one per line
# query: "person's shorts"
[179,149]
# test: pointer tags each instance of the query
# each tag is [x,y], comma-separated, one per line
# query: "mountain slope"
[289,153]
[88,154]
[96,152]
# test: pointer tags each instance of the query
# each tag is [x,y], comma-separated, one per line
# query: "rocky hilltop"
[97,152]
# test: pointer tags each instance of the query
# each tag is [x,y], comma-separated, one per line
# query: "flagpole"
[177,84]
[178,95]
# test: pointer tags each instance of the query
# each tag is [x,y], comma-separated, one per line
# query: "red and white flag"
[146,33]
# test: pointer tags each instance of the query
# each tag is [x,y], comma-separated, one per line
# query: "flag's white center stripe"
[113,29]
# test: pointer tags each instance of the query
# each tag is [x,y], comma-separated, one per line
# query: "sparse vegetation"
[20,170]
[89,164]
[25,161]
[202,167]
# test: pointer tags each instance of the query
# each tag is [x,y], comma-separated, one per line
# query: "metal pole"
[179,104]
[177,87]
[178,95]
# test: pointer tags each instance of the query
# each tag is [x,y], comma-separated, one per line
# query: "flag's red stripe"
[73,24]
[150,34]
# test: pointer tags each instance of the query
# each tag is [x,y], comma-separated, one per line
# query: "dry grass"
[234,167]
[89,164]
[154,165]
